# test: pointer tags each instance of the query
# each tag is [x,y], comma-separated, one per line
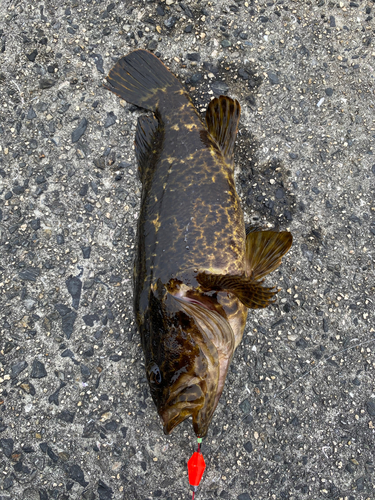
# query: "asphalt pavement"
[297,417]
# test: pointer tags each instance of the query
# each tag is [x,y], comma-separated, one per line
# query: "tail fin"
[141,79]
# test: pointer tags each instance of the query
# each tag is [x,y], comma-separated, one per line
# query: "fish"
[197,270]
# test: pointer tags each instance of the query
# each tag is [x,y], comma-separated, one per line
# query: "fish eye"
[154,374]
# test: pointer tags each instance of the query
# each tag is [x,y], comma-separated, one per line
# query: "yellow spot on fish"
[169,159]
[156,223]
[175,127]
[213,152]
[190,126]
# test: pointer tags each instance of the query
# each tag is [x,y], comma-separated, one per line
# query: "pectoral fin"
[251,229]
[264,250]
[222,117]
[251,293]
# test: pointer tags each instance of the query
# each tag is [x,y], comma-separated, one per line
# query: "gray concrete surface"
[297,417]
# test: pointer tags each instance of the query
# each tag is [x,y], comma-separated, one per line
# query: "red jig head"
[196,466]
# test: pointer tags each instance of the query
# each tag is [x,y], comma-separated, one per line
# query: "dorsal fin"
[264,250]
[148,137]
[222,117]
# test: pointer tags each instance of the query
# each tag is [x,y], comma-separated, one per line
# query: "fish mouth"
[187,402]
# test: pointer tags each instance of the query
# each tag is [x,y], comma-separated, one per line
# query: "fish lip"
[200,427]
[174,412]
[173,422]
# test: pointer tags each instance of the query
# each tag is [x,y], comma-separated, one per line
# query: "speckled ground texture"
[297,416]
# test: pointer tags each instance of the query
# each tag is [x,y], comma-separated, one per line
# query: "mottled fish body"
[196,272]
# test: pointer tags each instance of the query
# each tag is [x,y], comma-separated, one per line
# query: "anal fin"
[251,293]
[148,138]
[222,117]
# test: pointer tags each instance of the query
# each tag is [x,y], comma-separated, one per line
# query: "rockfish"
[196,271]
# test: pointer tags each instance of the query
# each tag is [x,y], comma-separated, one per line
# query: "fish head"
[183,365]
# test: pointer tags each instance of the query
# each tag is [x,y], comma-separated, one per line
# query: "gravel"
[297,415]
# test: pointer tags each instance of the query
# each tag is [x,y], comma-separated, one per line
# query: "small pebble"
[32,56]
[86,251]
[248,447]
[38,369]
[80,130]
[273,78]
[170,22]
[110,120]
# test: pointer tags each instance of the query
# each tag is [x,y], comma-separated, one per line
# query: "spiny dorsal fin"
[264,250]
[222,117]
[252,294]
[148,136]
